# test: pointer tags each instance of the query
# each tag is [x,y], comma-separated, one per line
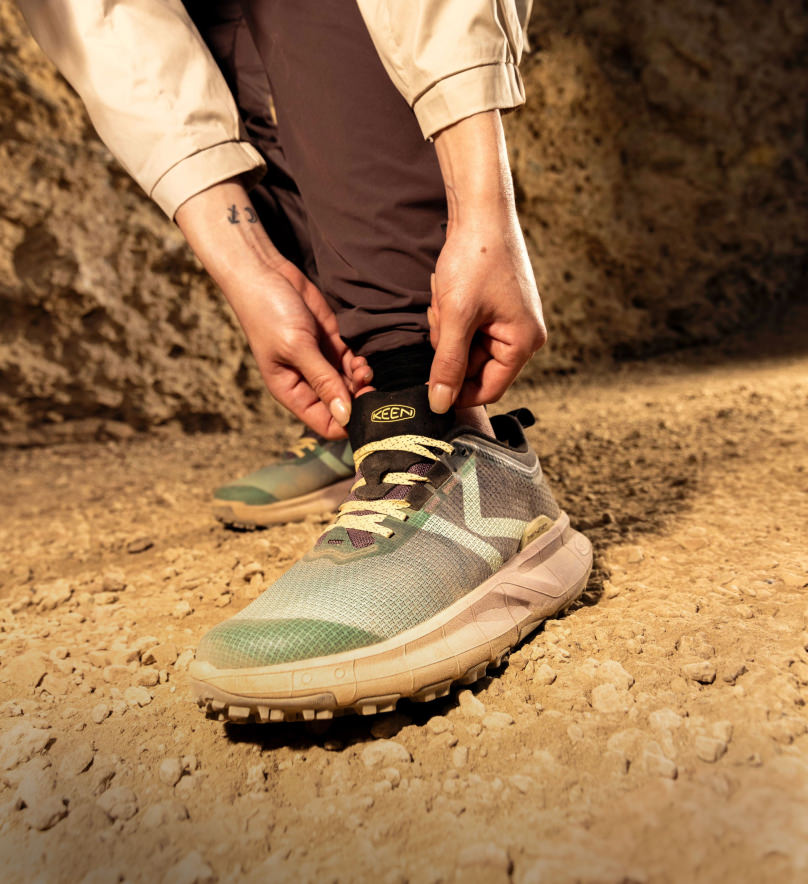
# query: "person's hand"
[293,335]
[290,328]
[485,318]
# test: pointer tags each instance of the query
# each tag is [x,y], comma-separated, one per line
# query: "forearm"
[476,173]
[222,227]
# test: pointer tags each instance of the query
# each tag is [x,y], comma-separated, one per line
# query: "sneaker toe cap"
[244,643]
[244,494]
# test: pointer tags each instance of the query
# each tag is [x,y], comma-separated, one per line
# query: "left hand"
[485,317]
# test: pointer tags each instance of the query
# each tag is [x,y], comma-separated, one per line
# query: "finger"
[478,356]
[361,372]
[295,394]
[488,385]
[450,361]
[326,382]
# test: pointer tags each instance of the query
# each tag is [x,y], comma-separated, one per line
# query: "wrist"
[476,173]
[223,228]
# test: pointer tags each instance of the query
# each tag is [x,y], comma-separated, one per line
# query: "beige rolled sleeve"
[450,58]
[153,92]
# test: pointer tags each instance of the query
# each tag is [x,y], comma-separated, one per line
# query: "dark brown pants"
[353,194]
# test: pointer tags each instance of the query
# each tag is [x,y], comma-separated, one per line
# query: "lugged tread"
[493,652]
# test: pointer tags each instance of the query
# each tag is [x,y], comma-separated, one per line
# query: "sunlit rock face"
[660,168]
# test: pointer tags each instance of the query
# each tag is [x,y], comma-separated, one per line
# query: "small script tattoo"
[249,212]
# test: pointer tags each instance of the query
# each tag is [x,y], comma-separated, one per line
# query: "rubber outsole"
[236,514]
[457,646]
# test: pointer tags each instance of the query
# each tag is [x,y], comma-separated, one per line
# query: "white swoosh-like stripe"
[488,527]
[439,526]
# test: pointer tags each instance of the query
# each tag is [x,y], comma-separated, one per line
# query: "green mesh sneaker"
[313,477]
[449,550]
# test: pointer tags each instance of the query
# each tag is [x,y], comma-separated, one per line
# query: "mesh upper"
[433,559]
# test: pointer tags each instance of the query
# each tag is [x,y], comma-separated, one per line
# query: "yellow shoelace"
[367,515]
[303,445]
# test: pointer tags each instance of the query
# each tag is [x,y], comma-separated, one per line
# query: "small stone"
[385,753]
[161,814]
[497,720]
[170,771]
[46,814]
[105,598]
[658,765]
[160,655]
[77,760]
[187,786]
[251,570]
[192,869]
[184,660]
[608,699]
[710,749]
[460,756]
[190,763]
[575,732]
[475,728]
[616,762]
[612,672]
[444,741]
[25,671]
[487,855]
[470,704]
[113,581]
[800,671]
[545,675]
[723,730]
[702,672]
[139,545]
[439,724]
[137,696]
[182,609]
[118,803]
[392,775]
[257,776]
[521,783]
[99,712]
[664,719]
[22,743]
[147,677]
[116,674]
[51,595]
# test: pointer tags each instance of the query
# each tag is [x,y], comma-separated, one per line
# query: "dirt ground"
[657,733]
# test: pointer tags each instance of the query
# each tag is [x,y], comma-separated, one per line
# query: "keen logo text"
[389,413]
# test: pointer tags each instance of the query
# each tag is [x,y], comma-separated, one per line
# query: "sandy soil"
[658,732]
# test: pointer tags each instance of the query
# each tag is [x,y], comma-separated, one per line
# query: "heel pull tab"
[524,416]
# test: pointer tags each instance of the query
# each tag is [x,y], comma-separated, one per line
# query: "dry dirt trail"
[657,733]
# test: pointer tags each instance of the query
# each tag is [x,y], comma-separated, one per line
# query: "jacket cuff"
[205,168]
[482,88]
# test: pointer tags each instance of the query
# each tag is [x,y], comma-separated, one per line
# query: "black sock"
[401,368]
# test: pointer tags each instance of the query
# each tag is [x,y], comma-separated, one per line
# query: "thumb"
[326,382]
[450,361]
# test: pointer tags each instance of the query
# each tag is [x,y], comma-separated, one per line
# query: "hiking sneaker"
[449,550]
[313,477]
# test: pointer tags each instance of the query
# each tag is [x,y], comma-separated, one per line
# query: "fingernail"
[440,398]
[430,316]
[340,411]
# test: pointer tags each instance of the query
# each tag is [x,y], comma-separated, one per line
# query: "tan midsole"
[535,584]
[323,500]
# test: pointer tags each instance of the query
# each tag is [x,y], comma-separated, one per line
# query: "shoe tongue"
[378,415]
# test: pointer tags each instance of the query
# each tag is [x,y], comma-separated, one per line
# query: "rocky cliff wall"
[660,166]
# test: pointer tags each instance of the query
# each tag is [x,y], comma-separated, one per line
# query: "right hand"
[294,337]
